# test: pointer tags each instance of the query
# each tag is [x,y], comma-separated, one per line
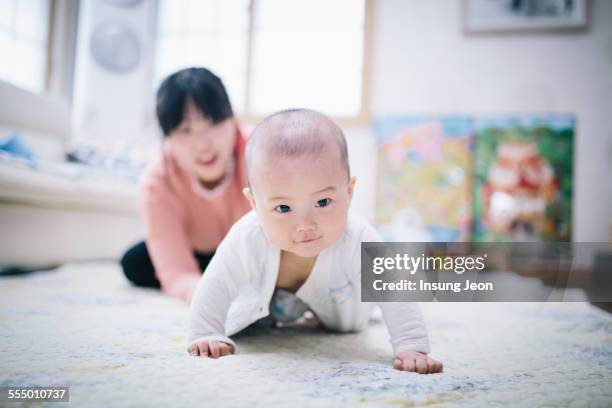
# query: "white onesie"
[236,289]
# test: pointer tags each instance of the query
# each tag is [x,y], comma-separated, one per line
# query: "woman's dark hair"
[200,85]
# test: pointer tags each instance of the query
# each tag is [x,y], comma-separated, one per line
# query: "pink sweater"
[178,219]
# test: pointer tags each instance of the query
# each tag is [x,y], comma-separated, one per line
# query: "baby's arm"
[409,338]
[211,301]
[406,326]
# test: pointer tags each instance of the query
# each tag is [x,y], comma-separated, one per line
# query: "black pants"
[139,270]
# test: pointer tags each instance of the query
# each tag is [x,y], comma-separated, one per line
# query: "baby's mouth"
[307,240]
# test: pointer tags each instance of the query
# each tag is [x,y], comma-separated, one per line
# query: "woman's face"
[202,148]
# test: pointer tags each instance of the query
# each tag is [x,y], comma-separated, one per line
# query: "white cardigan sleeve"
[216,290]
[406,326]
[404,320]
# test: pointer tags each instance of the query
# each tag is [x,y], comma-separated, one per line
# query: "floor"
[83,326]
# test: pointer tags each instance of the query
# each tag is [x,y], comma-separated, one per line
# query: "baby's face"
[302,202]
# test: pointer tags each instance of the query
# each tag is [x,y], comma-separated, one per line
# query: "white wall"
[423,63]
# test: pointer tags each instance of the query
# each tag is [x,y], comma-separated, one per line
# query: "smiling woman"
[192,193]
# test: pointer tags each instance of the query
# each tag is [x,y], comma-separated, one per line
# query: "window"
[24,38]
[272,54]
[209,33]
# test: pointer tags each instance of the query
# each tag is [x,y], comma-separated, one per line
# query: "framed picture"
[481,16]
[486,178]
[423,177]
[522,178]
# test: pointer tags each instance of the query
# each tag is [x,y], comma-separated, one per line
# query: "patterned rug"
[85,327]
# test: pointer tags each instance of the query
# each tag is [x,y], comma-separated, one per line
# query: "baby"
[296,256]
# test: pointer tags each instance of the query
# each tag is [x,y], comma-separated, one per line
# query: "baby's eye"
[282,208]
[323,202]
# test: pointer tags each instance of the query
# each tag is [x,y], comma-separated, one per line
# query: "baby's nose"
[306,225]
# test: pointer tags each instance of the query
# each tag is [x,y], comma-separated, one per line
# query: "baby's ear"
[351,186]
[249,196]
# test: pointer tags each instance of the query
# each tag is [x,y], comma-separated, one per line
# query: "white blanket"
[114,345]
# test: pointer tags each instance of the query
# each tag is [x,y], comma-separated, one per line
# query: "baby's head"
[299,180]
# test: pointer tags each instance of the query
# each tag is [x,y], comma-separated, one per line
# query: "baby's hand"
[417,362]
[211,348]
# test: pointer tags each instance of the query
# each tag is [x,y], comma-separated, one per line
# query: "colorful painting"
[423,178]
[522,188]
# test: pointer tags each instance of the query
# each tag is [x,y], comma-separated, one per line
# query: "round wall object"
[115,47]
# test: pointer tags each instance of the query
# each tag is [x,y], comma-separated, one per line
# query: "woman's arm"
[167,242]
